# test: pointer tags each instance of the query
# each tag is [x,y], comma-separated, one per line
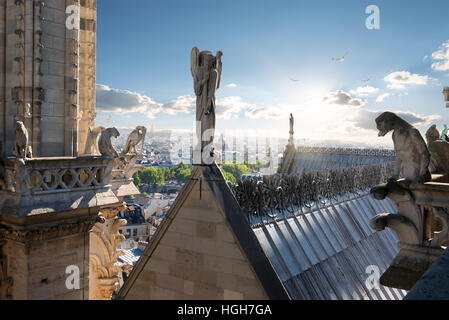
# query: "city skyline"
[315,60]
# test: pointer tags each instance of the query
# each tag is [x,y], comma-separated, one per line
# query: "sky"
[348,74]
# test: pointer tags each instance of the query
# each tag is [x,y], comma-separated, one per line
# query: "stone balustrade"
[421,224]
[55,184]
[53,175]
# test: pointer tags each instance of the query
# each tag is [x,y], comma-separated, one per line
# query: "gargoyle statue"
[412,156]
[135,137]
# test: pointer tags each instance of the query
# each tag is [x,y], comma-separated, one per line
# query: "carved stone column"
[104,265]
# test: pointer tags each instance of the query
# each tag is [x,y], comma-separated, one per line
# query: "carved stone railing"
[37,176]
[47,185]
[282,195]
[421,224]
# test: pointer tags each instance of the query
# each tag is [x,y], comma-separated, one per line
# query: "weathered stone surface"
[195,254]
[434,284]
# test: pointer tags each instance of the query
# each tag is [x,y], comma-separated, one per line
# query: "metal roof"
[131,255]
[324,252]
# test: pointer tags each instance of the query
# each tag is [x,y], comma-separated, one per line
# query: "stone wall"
[38,268]
[51,68]
[198,257]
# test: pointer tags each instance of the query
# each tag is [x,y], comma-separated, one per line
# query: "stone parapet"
[421,224]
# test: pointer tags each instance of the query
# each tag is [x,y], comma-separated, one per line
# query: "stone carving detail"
[135,137]
[43,233]
[206,72]
[412,156]
[105,145]
[6,282]
[42,176]
[275,195]
[421,225]
[22,148]
[439,151]
[92,141]
[104,254]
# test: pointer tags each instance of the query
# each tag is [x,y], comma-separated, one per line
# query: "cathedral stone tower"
[51,195]
[47,63]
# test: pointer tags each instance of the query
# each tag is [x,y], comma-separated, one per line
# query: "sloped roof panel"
[324,252]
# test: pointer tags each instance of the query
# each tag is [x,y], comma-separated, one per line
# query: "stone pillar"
[35,260]
[88,32]
[104,265]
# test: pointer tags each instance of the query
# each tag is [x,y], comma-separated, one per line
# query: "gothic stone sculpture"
[22,149]
[206,72]
[92,138]
[105,145]
[412,155]
[136,137]
[439,151]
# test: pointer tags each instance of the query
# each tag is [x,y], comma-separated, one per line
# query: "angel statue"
[206,71]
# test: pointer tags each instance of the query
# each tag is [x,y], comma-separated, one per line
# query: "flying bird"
[340,59]
[367,80]
[294,80]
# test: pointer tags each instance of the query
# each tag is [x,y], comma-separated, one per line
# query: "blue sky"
[143,63]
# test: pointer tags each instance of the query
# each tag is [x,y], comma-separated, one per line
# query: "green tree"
[235,169]
[229,177]
[152,176]
[182,166]
[136,179]
[183,175]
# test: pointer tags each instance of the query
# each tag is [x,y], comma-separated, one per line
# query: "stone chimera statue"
[412,155]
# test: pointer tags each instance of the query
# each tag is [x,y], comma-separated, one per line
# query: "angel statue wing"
[219,67]
[194,60]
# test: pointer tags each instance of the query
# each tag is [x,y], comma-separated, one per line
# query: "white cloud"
[399,79]
[364,91]
[442,58]
[264,113]
[183,104]
[228,107]
[124,101]
[232,85]
[382,97]
[343,99]
[365,119]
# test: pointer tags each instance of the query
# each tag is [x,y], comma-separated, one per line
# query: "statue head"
[207,59]
[386,122]
[113,132]
[432,134]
